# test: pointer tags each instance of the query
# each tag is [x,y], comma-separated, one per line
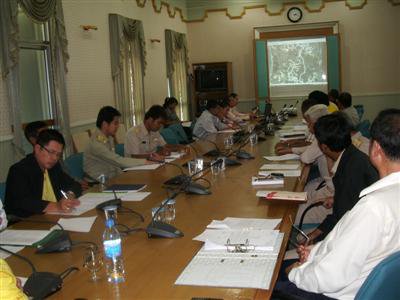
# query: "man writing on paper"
[99,157]
[209,122]
[37,183]
[368,233]
[145,140]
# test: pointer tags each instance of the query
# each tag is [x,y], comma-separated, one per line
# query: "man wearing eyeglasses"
[37,184]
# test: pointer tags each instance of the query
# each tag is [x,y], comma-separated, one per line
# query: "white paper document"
[262,240]
[227,131]
[283,157]
[76,224]
[251,223]
[280,166]
[143,167]
[134,196]
[236,270]
[286,173]
[283,195]
[13,249]
[22,237]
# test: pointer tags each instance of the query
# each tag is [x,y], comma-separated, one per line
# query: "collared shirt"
[139,140]
[352,115]
[207,123]
[365,235]
[100,158]
[238,114]
[332,107]
[233,117]
[3,217]
[8,284]
[360,142]
[336,164]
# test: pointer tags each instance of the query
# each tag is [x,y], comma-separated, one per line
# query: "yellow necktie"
[8,284]
[48,192]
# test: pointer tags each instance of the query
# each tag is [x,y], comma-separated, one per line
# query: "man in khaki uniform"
[145,140]
[99,156]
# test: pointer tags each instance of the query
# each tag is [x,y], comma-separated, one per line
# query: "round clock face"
[294,14]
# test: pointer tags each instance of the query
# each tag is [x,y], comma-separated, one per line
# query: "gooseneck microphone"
[41,284]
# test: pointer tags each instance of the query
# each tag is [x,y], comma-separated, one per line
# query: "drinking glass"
[192,167]
[228,142]
[169,212]
[215,167]
[253,139]
[93,262]
[160,217]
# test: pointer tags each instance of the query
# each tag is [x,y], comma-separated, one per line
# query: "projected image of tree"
[296,66]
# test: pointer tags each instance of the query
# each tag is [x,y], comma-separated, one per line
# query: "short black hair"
[212,104]
[32,129]
[334,93]
[48,135]
[385,130]
[334,131]
[156,112]
[224,103]
[320,97]
[345,99]
[307,103]
[233,95]
[106,114]
[170,100]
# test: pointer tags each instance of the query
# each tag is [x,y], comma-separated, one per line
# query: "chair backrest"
[169,136]
[80,140]
[74,165]
[120,135]
[363,127]
[383,282]
[360,110]
[119,149]
[2,191]
[179,132]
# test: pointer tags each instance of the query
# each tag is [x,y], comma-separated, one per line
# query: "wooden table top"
[153,265]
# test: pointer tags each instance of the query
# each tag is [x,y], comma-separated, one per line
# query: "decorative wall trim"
[198,10]
[83,123]
[6,138]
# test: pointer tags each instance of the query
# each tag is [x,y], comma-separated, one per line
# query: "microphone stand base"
[164,230]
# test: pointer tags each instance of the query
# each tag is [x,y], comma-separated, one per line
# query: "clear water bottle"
[113,253]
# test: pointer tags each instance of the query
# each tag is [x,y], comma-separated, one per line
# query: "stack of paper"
[267,180]
[287,170]
[76,224]
[22,237]
[213,265]
[283,195]
[283,157]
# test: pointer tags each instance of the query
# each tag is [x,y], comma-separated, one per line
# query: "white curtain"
[128,67]
[177,70]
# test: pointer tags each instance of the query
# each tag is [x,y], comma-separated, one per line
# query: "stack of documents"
[283,195]
[291,135]
[287,170]
[283,157]
[267,179]
[153,166]
[220,264]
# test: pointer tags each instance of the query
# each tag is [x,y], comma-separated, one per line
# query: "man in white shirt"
[233,113]
[209,122]
[338,266]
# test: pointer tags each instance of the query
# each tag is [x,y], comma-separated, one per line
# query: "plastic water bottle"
[113,253]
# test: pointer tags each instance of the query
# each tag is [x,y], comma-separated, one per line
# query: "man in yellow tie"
[37,184]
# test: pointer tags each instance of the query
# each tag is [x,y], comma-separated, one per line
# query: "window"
[297,66]
[36,90]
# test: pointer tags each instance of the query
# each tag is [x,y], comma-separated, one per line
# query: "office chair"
[74,165]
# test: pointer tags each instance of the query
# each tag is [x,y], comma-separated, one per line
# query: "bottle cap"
[109,223]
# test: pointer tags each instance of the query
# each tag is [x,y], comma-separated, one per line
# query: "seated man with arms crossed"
[368,233]
[99,157]
[37,184]
[145,140]
[209,122]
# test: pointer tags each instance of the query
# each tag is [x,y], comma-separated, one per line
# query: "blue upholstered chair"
[2,190]
[383,281]
[363,127]
[74,165]
[360,110]
[179,132]
[169,136]
[119,149]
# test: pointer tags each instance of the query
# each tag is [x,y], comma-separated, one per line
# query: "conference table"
[153,264]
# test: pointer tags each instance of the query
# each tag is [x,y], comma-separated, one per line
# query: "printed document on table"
[76,224]
[143,167]
[22,237]
[263,240]
[13,249]
[251,223]
[280,166]
[134,196]
[283,157]
[285,173]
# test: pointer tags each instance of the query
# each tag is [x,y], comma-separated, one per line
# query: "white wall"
[89,78]
[370,45]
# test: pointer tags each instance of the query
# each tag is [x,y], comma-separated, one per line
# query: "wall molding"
[82,123]
[6,138]
[197,11]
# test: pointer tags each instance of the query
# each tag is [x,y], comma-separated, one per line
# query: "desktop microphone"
[217,152]
[41,284]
